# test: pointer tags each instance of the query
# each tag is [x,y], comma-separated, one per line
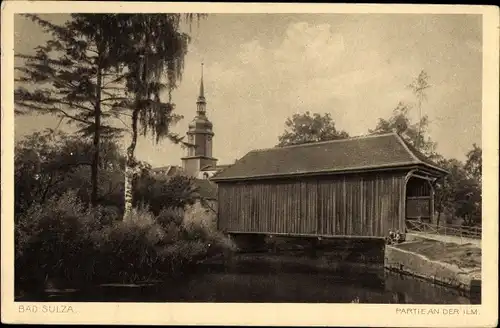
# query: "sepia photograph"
[240,157]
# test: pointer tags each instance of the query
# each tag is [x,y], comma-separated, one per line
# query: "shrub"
[65,241]
[109,214]
[144,245]
[200,224]
[170,217]
[55,240]
[182,254]
[128,249]
[198,215]
[162,192]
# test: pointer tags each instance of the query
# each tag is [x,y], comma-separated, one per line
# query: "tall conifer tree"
[74,76]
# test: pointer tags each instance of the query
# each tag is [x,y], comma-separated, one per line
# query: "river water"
[247,280]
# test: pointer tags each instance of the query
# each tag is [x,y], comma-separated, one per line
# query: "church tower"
[199,135]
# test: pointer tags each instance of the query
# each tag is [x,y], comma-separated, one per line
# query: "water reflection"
[251,280]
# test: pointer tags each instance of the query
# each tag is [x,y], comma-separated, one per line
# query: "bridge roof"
[366,153]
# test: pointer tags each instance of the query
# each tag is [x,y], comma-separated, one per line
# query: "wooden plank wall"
[357,205]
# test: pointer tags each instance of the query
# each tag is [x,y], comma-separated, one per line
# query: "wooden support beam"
[428,178]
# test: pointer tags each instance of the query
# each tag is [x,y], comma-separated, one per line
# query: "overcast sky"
[262,68]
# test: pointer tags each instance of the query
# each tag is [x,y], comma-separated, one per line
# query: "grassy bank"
[65,242]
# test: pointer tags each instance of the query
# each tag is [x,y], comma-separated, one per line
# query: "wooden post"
[432,202]
[402,208]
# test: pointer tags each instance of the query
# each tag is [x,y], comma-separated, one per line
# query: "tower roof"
[200,123]
[201,96]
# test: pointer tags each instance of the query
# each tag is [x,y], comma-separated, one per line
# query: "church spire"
[202,90]
[200,135]
[201,103]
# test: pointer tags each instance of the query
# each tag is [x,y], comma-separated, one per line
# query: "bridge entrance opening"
[419,199]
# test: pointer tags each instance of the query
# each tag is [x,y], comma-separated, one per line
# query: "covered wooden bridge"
[356,187]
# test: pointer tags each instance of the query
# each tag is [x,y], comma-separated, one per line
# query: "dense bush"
[64,241]
[128,249]
[159,192]
[200,224]
[55,240]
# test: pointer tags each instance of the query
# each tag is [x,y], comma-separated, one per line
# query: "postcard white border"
[269,313]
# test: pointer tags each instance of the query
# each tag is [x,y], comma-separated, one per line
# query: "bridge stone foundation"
[333,249]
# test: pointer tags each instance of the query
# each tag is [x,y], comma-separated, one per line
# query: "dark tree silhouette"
[307,128]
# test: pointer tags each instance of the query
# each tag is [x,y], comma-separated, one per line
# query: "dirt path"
[467,256]
[447,239]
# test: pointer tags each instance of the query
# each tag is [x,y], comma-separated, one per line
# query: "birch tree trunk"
[127,192]
[130,167]
[140,95]
[130,174]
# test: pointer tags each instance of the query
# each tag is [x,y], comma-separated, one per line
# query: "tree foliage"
[413,133]
[419,87]
[473,164]
[153,52]
[74,77]
[164,192]
[154,48]
[102,66]
[459,194]
[307,128]
[48,163]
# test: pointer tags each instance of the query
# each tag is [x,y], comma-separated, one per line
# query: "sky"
[260,69]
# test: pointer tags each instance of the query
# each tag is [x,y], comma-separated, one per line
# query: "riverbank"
[448,264]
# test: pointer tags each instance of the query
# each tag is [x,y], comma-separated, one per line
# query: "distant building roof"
[169,170]
[352,154]
[216,168]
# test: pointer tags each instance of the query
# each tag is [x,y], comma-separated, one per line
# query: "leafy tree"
[97,65]
[470,197]
[155,47]
[307,128]
[73,76]
[164,192]
[49,163]
[412,133]
[446,186]
[418,87]
[473,165]
[468,202]
[400,122]
[459,193]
